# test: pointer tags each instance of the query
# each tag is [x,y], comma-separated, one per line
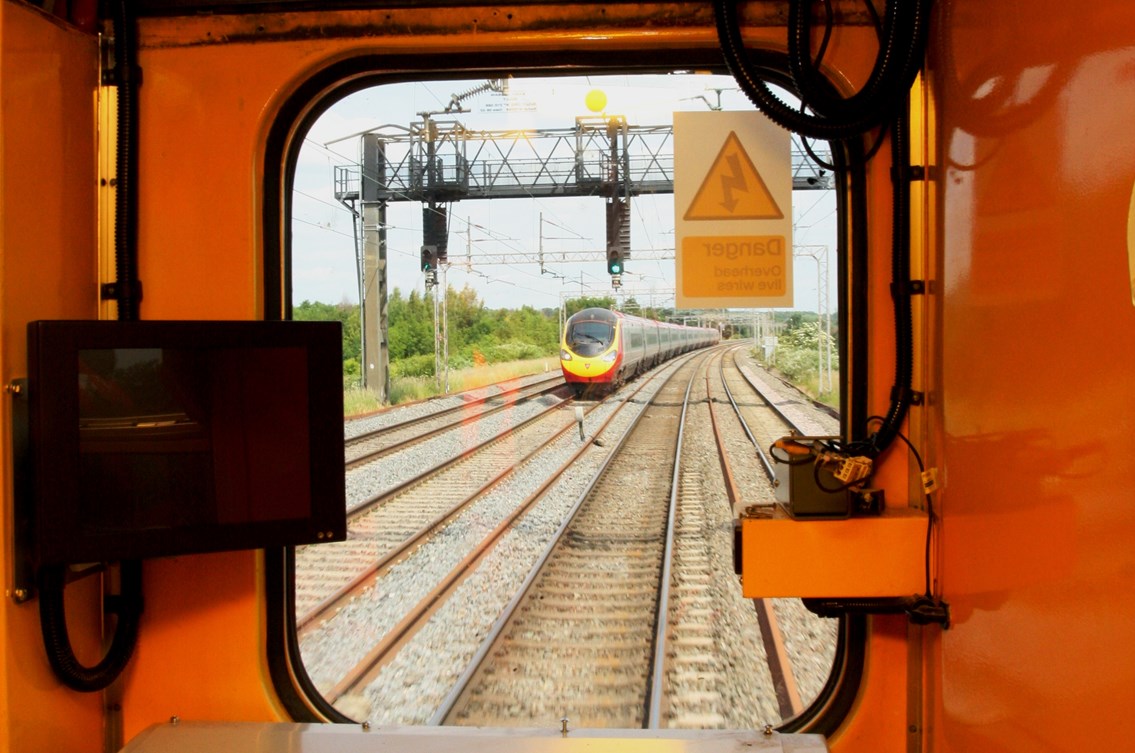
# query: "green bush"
[352,371]
[414,366]
[460,361]
[512,351]
[797,364]
[797,358]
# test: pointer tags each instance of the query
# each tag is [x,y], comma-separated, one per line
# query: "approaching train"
[982,165]
[602,347]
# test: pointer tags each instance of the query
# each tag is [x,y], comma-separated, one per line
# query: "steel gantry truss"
[442,161]
[439,161]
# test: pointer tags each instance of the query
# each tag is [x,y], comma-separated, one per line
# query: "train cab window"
[589,337]
[453,225]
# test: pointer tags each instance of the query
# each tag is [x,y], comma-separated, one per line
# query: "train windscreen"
[590,338]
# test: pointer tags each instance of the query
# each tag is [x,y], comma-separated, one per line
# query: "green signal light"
[615,268]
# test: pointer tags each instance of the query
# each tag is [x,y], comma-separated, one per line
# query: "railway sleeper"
[693,720]
[704,679]
[540,647]
[710,661]
[608,540]
[584,590]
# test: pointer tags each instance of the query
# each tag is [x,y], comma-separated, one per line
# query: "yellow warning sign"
[749,267]
[732,222]
[733,189]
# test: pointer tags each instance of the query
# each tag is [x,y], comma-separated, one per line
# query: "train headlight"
[564,355]
[610,357]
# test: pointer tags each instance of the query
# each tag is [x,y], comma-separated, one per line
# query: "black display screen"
[161,438]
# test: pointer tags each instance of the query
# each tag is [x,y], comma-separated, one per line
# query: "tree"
[467,319]
[345,313]
[494,335]
[574,305]
[411,325]
[527,325]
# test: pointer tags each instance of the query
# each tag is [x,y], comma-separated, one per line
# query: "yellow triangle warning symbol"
[733,189]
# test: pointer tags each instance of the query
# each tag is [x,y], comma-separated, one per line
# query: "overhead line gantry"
[442,161]
[439,161]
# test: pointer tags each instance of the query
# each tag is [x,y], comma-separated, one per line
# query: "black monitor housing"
[152,439]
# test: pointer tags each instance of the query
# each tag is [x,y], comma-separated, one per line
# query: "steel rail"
[446,708]
[658,675]
[463,395]
[731,492]
[775,407]
[518,395]
[780,666]
[764,458]
[374,501]
[415,618]
[365,576]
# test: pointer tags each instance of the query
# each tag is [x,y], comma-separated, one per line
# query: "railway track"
[717,670]
[341,679]
[580,641]
[369,445]
[793,411]
[385,525]
[414,626]
[763,409]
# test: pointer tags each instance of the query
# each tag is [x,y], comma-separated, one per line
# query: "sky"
[324,254]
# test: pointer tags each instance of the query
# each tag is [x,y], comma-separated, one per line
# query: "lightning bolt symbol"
[734,181]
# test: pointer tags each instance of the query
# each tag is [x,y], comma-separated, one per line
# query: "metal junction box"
[801,487]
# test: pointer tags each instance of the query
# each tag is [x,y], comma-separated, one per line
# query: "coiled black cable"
[834,118]
[127,606]
[896,64]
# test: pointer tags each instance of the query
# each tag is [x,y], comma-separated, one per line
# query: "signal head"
[614,261]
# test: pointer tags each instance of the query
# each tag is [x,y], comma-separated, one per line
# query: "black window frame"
[311,99]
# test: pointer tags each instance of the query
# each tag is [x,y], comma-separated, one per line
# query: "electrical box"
[806,489]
